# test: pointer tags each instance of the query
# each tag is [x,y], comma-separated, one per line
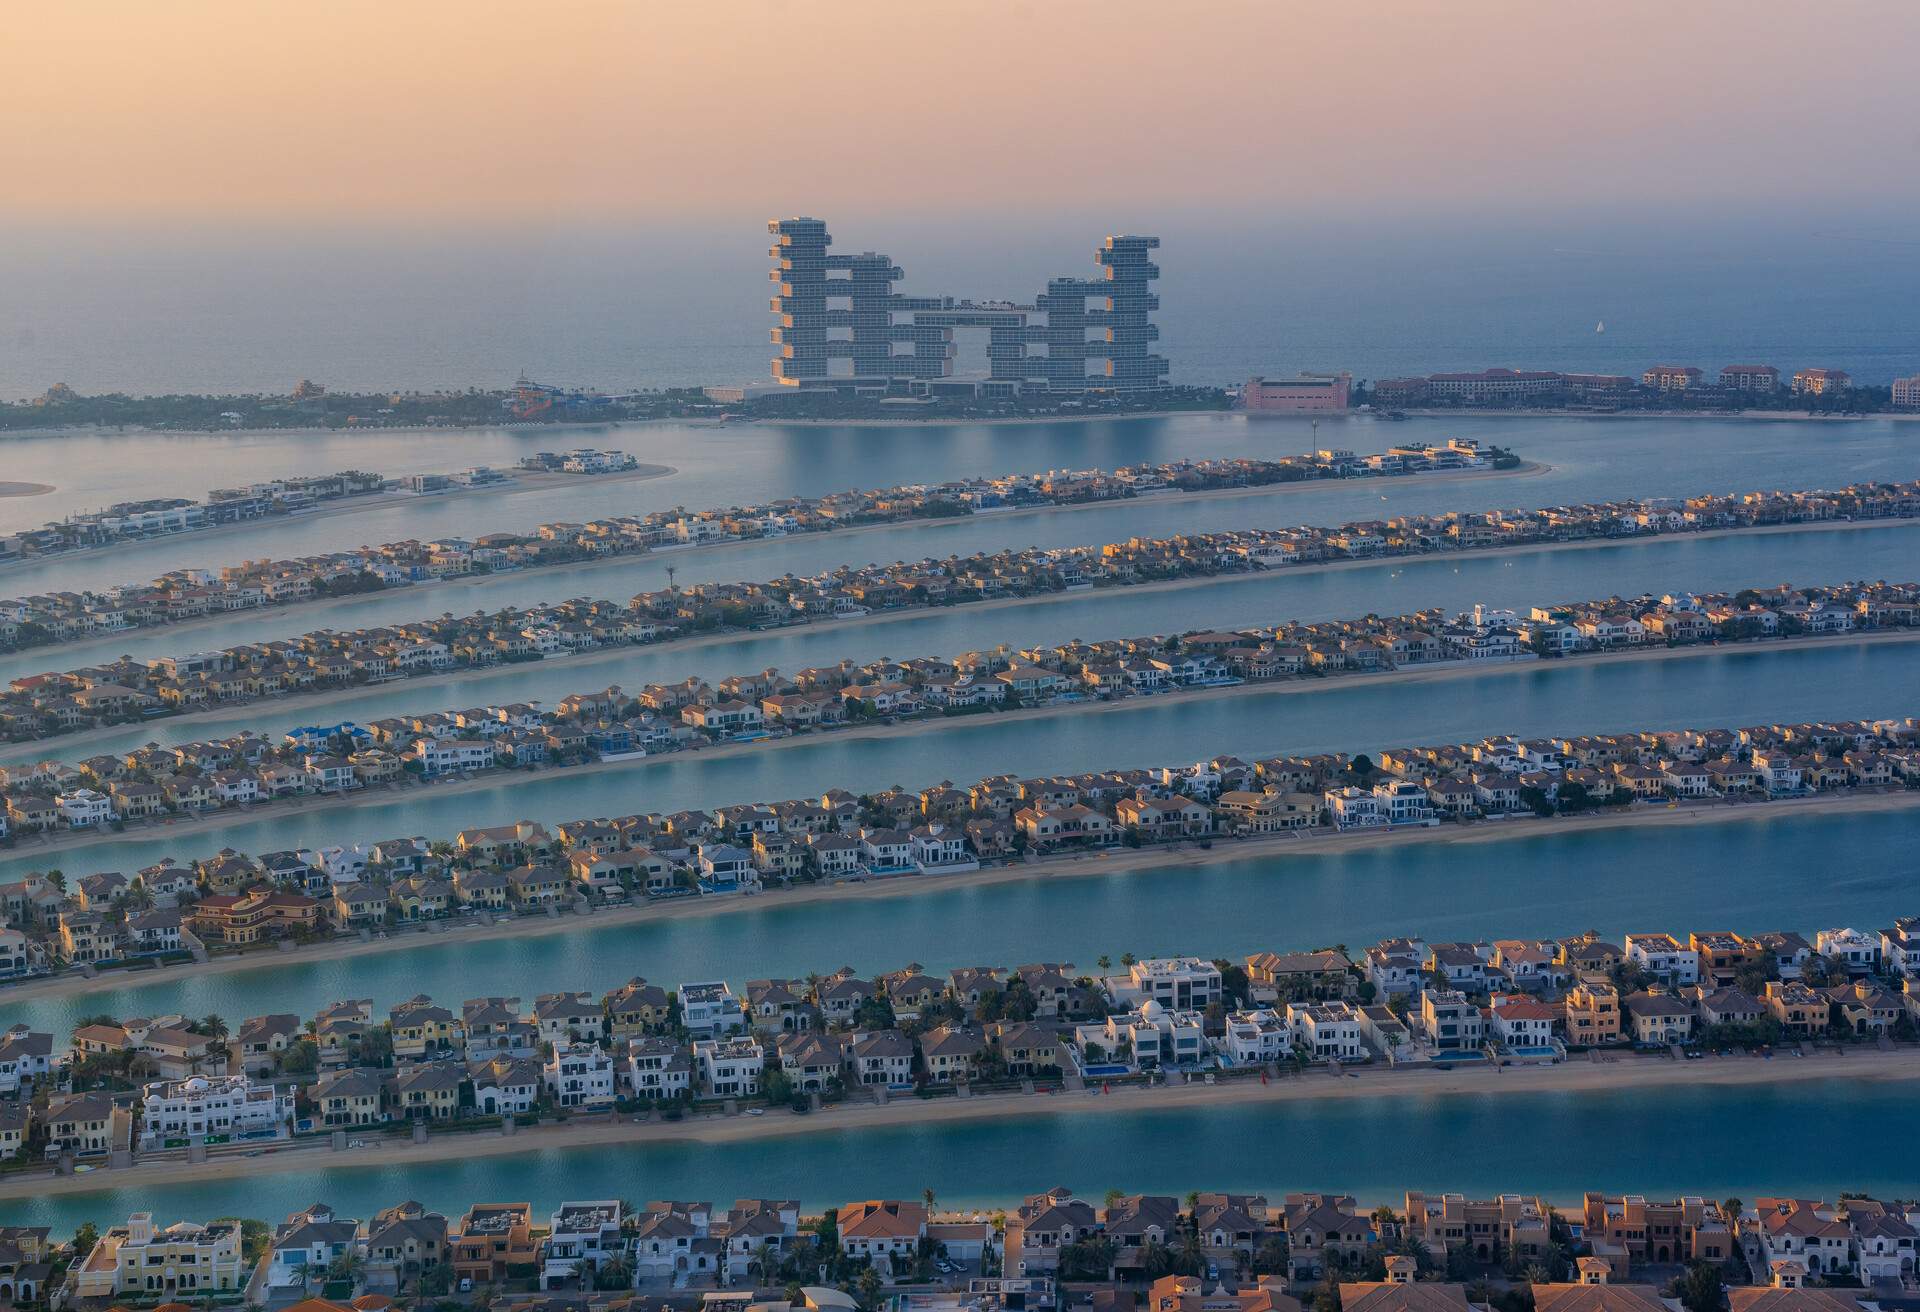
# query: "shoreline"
[1757,416]
[26,489]
[525,481]
[933,421]
[437,587]
[697,641]
[1109,861]
[1626,1071]
[998,421]
[76,839]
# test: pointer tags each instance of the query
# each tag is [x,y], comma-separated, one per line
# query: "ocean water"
[156,309]
[1657,1141]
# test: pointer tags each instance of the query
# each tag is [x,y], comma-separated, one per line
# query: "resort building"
[843,308]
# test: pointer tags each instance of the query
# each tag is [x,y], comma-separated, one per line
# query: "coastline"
[25,489]
[1625,1071]
[1109,861]
[614,654]
[524,481]
[1757,416]
[439,587]
[76,839]
[997,421]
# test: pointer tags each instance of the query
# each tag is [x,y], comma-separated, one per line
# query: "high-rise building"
[859,318]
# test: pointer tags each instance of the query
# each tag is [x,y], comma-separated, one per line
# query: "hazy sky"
[113,110]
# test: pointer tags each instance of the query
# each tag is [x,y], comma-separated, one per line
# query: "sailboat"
[1601,326]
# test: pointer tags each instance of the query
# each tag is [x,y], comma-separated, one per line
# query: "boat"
[1601,326]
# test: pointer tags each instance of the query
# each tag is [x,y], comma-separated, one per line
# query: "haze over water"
[161,309]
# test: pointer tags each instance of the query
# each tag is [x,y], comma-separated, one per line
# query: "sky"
[223,111]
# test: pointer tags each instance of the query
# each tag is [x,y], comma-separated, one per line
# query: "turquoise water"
[1507,579]
[1661,1142]
[1724,687]
[1750,874]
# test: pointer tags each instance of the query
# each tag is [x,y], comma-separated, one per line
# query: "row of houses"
[234,900]
[144,520]
[130,521]
[1404,1001]
[47,704]
[1657,384]
[1816,1255]
[184,594]
[248,769]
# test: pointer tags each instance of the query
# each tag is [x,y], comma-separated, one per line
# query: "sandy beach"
[1277,848]
[71,839]
[1624,1070]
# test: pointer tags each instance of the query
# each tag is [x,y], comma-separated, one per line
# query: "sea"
[644,301]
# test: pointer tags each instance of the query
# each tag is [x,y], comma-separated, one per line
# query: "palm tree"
[214,1025]
[1411,1245]
[1191,1256]
[1104,961]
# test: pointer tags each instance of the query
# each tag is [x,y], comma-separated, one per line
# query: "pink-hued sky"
[626,110]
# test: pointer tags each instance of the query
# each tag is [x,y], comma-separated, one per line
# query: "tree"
[84,1239]
[1087,1259]
[1699,1289]
[868,1288]
[302,1057]
[1271,1257]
